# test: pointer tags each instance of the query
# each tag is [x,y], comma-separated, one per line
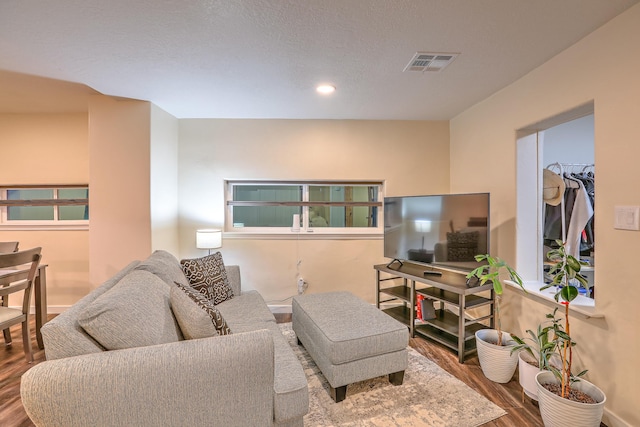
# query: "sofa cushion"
[134,313]
[246,312]
[208,276]
[165,266]
[196,315]
[63,336]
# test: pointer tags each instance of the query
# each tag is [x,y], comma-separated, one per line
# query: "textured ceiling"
[263,58]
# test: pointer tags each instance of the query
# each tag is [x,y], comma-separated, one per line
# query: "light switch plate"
[627,218]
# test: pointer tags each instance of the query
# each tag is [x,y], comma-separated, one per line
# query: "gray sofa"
[248,378]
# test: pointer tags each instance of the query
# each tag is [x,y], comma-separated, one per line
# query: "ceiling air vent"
[430,62]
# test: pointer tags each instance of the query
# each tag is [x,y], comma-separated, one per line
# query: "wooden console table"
[452,327]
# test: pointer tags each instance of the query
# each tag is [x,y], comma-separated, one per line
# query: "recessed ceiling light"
[325,89]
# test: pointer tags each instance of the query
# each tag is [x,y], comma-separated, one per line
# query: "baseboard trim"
[280,308]
[612,420]
[56,309]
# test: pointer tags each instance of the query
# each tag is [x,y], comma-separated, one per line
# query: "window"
[38,205]
[320,207]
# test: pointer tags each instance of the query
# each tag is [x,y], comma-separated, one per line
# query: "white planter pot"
[559,412]
[527,375]
[497,362]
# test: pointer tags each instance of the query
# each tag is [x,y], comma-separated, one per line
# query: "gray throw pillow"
[196,315]
[165,266]
[208,276]
[133,313]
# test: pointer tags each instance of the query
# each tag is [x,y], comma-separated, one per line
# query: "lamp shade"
[208,239]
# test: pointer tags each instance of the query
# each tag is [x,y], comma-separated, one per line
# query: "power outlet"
[300,285]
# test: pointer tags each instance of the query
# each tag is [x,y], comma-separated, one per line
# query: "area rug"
[429,396]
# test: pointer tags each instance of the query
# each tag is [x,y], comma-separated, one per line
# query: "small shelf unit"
[452,327]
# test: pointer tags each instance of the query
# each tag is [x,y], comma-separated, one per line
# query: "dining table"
[40,291]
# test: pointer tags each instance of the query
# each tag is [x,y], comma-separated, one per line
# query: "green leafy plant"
[565,268]
[490,272]
[542,343]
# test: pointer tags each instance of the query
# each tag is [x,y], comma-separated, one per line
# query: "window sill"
[581,305]
[42,227]
[302,236]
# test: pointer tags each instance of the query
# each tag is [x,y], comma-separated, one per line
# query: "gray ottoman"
[350,340]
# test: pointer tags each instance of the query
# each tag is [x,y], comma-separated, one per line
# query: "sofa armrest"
[226,380]
[233,275]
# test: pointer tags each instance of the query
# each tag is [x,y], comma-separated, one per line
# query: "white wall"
[164,180]
[49,149]
[607,347]
[412,157]
[571,142]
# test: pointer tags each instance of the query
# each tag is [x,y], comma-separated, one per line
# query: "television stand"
[452,326]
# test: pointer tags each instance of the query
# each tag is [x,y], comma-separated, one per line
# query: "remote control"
[433,273]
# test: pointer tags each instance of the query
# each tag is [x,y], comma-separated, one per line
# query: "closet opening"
[556,193]
[568,193]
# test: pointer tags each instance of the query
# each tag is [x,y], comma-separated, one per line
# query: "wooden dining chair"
[17,273]
[8,247]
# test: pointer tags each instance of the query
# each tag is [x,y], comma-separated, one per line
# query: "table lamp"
[208,239]
[423,226]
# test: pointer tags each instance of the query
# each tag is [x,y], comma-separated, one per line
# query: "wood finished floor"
[507,396]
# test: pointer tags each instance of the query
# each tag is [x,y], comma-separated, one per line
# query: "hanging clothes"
[587,243]
[581,213]
[555,227]
[572,220]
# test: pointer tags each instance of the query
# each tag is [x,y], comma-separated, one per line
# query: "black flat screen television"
[445,230]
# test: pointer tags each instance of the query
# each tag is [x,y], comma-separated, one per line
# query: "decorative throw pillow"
[133,313]
[196,315]
[208,276]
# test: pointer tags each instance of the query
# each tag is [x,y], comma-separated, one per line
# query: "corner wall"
[164,181]
[607,347]
[119,148]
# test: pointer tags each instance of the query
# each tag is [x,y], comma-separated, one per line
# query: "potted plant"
[563,397]
[535,352]
[494,346]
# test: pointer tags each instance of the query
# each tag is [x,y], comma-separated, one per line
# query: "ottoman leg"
[396,378]
[338,394]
